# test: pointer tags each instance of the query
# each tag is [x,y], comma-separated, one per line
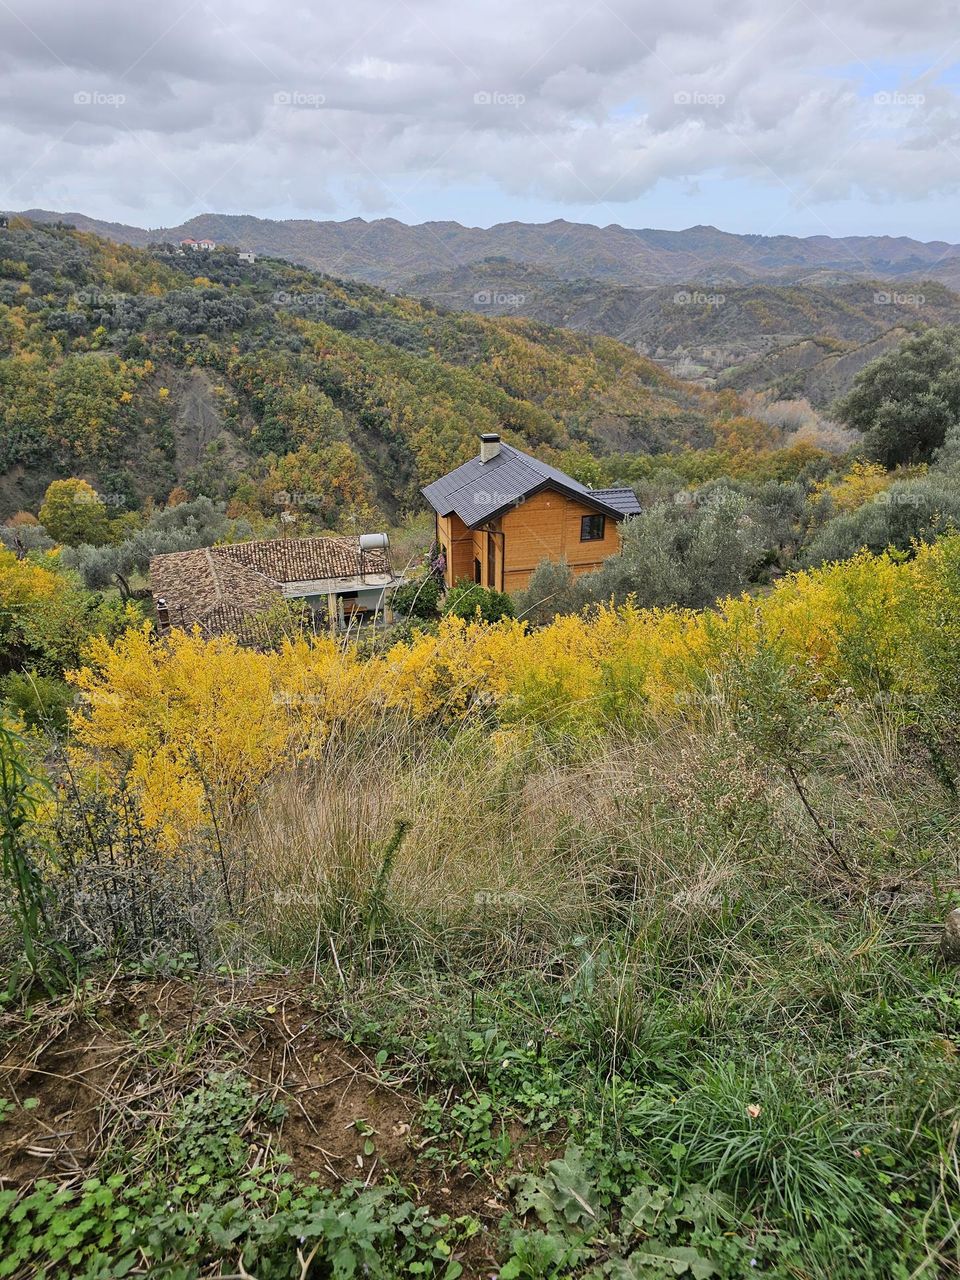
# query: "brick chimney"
[489,446]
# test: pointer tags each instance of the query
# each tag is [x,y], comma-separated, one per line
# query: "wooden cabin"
[501,513]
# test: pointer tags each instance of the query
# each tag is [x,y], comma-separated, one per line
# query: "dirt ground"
[108,1065]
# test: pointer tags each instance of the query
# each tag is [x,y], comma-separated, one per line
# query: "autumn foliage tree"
[73,512]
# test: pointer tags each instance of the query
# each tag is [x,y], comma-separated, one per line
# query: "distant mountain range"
[391,254]
[805,339]
[661,318]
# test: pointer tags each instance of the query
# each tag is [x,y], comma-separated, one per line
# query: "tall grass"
[475,875]
[692,834]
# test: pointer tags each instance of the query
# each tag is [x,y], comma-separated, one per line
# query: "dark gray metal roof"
[477,491]
[624,500]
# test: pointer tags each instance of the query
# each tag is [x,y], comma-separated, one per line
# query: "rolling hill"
[392,254]
[715,309]
[145,369]
[733,334]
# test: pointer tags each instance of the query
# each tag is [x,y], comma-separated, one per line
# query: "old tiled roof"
[306,559]
[211,584]
[477,491]
[195,583]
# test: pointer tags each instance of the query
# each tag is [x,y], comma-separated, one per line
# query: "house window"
[592,528]
[476,571]
[491,560]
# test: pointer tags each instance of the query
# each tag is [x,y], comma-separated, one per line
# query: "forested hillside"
[850,310]
[142,370]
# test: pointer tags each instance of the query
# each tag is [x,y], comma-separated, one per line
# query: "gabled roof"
[210,584]
[479,491]
[625,500]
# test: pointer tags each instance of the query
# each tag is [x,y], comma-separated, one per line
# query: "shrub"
[689,553]
[418,599]
[45,619]
[909,512]
[551,591]
[468,600]
[41,701]
[25,537]
[182,527]
[193,708]
[905,401]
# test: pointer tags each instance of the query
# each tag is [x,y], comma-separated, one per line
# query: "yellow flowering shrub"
[185,717]
[862,482]
[22,582]
[191,717]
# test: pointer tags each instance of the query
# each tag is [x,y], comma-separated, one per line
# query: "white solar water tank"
[374,542]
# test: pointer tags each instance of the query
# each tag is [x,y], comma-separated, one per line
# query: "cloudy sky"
[772,116]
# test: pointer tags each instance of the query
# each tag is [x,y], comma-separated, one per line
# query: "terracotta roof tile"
[306,559]
[211,586]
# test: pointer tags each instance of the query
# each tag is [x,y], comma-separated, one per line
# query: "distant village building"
[247,255]
[197,245]
[206,244]
[501,513]
[223,589]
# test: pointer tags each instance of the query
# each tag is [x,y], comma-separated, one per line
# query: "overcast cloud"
[795,115]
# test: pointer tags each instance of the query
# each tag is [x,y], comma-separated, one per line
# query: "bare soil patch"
[104,1068]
